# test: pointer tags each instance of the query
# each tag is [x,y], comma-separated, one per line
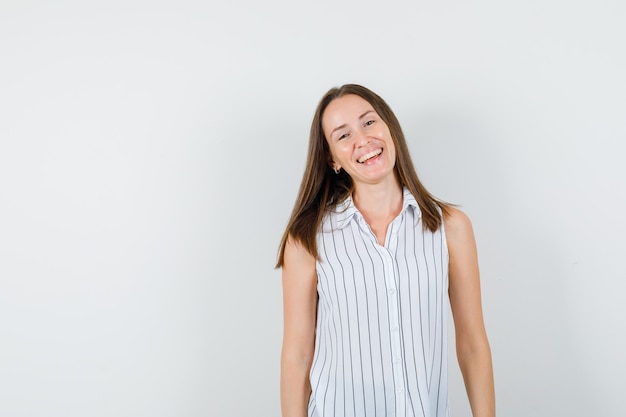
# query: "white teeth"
[369,156]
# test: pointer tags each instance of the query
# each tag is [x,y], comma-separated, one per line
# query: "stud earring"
[337,170]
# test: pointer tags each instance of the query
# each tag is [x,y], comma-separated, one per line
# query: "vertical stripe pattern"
[381,333]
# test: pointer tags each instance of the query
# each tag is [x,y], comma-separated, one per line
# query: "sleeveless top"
[381,332]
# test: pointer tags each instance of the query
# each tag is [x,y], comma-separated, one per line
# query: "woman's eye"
[369,123]
[345,135]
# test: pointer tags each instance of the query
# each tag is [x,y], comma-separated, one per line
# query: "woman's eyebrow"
[338,128]
[366,113]
[345,125]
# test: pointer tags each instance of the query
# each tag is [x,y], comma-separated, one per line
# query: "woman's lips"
[369,155]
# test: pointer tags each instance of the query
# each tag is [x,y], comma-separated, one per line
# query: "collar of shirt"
[346,210]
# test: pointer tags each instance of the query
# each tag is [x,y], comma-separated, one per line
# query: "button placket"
[396,346]
[394,300]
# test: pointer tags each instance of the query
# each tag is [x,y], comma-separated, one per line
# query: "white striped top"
[381,336]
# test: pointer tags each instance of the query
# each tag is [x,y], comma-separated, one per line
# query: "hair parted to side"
[321,189]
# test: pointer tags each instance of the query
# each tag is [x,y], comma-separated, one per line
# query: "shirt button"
[392,291]
[397,360]
[395,328]
[400,390]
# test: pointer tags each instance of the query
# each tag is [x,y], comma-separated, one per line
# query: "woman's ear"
[333,165]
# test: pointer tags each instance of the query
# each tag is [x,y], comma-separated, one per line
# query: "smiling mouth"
[369,156]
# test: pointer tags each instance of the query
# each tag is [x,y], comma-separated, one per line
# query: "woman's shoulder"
[296,253]
[456,222]
[455,217]
[337,215]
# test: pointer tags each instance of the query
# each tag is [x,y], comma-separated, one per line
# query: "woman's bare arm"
[472,345]
[299,310]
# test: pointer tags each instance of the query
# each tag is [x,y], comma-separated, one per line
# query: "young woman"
[370,263]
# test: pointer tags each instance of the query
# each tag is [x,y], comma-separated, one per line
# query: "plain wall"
[151,152]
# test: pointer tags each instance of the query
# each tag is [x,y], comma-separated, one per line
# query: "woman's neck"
[379,201]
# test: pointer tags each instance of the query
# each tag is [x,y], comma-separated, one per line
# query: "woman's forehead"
[345,110]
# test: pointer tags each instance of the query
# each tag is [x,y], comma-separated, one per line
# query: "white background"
[150,155]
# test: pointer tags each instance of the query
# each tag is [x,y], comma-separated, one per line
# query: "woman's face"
[359,140]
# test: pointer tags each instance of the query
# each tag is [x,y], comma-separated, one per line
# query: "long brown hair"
[321,189]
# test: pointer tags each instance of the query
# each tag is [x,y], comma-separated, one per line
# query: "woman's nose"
[361,138]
